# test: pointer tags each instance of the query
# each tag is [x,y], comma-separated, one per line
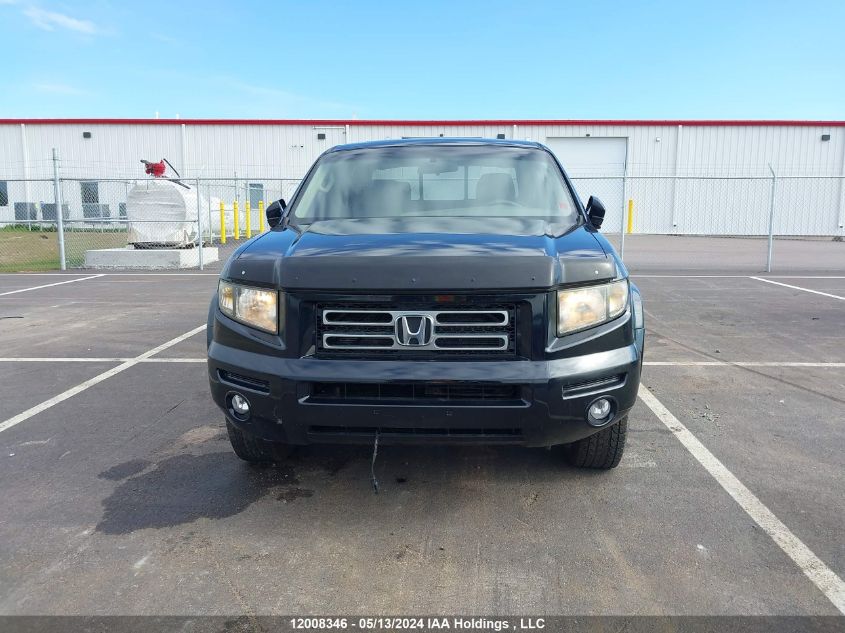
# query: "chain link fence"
[128,214]
[678,222]
[723,223]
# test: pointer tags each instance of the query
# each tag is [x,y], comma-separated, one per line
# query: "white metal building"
[689,177]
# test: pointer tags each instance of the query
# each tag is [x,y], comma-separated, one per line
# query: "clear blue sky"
[429,59]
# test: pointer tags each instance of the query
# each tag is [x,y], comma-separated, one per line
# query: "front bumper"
[549,408]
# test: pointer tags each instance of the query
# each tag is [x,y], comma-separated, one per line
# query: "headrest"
[495,187]
[387,196]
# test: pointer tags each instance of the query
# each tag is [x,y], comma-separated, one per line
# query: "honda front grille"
[467,331]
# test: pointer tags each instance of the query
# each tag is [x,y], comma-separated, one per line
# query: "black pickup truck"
[428,290]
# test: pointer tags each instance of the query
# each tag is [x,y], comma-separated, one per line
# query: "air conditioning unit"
[95,211]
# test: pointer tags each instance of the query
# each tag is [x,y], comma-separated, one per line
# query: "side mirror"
[275,212]
[595,212]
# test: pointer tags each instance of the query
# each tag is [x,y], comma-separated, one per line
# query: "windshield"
[481,181]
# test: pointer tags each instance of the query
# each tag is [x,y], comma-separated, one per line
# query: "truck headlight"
[256,307]
[581,308]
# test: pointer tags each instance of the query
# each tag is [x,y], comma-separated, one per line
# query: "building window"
[256,194]
[90,191]
[91,207]
[4,194]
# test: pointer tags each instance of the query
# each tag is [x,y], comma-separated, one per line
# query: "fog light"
[599,412]
[240,405]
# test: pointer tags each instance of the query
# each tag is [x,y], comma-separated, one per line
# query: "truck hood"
[423,254]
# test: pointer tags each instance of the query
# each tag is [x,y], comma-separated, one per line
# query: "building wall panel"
[663,161]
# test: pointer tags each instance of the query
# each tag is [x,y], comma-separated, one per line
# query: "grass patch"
[33,251]
[77,242]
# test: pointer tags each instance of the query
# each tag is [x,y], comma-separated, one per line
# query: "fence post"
[841,222]
[57,197]
[237,227]
[771,220]
[199,223]
[675,181]
[210,218]
[260,216]
[622,222]
[222,222]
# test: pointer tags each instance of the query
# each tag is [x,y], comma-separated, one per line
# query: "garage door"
[596,166]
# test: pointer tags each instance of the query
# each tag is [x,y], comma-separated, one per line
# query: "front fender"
[209,329]
[638,318]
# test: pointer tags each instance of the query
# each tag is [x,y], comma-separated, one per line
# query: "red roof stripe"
[427,123]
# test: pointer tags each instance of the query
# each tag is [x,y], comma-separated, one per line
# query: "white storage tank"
[163,214]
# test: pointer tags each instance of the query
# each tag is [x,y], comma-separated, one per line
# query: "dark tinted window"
[436,181]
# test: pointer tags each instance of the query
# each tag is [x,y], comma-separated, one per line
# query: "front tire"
[602,450]
[254,449]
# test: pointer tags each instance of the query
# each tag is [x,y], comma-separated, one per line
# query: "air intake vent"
[367,431]
[244,382]
[594,386]
[451,393]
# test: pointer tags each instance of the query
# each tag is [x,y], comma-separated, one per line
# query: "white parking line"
[197,274]
[94,359]
[815,292]
[65,359]
[635,275]
[175,360]
[813,567]
[162,274]
[42,274]
[21,417]
[58,283]
[729,363]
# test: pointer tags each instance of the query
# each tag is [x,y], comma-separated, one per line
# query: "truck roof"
[437,140]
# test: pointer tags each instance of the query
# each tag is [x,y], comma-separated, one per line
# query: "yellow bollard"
[222,223]
[260,216]
[248,213]
[630,216]
[237,221]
